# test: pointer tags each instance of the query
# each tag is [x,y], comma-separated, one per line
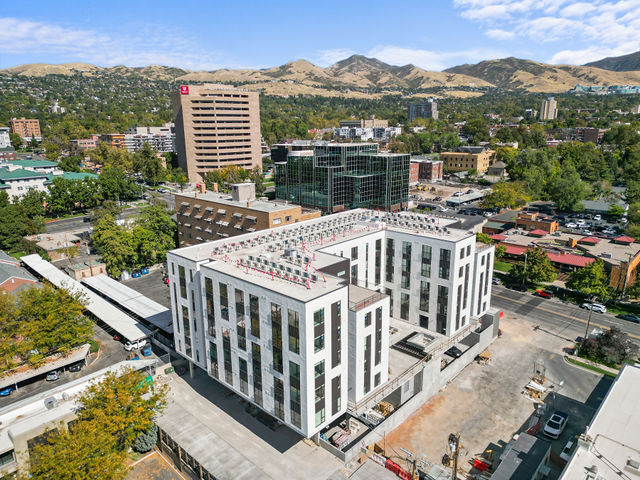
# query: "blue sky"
[433,34]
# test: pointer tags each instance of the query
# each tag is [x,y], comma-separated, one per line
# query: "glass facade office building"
[336,177]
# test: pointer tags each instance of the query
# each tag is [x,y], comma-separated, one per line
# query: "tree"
[115,243]
[14,224]
[611,348]
[634,212]
[16,140]
[536,268]
[111,416]
[566,190]
[506,195]
[70,164]
[45,320]
[476,128]
[616,211]
[111,157]
[147,162]
[257,177]
[154,234]
[483,238]
[147,440]
[591,280]
[33,203]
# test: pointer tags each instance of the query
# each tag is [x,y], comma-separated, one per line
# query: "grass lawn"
[18,255]
[592,368]
[269,184]
[502,266]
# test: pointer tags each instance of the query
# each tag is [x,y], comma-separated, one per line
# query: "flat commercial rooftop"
[289,258]
[132,301]
[122,323]
[613,433]
[226,199]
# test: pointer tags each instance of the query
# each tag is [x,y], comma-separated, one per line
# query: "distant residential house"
[498,169]
[12,275]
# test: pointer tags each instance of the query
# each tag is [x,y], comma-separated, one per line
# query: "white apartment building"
[295,319]
[161,142]
[5,139]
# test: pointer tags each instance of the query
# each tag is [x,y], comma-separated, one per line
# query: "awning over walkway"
[122,323]
[132,301]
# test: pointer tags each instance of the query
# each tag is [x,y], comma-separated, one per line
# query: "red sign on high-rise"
[184,89]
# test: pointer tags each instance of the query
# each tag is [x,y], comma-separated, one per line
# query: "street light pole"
[524,273]
[586,332]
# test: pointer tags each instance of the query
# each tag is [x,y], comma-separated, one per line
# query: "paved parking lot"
[485,405]
[152,286]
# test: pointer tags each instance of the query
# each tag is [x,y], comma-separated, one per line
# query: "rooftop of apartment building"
[289,258]
[259,205]
[610,447]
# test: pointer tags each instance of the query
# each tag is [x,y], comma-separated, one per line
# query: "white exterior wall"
[481,298]
[20,187]
[5,139]
[357,335]
[306,359]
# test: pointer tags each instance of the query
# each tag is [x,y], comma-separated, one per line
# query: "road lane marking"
[595,324]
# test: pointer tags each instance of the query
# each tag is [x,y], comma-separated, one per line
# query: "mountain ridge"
[358,75]
[622,63]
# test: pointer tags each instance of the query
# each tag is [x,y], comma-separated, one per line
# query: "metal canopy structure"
[132,301]
[122,323]
[54,362]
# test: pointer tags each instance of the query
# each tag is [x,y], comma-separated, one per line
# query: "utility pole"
[454,447]
[586,332]
[524,272]
[413,461]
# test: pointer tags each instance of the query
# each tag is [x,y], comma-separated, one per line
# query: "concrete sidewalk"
[214,428]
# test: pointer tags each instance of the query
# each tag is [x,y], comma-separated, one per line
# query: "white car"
[571,225]
[581,223]
[597,217]
[555,425]
[135,345]
[596,307]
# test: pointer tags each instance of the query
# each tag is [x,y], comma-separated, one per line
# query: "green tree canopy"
[591,280]
[506,195]
[536,268]
[112,414]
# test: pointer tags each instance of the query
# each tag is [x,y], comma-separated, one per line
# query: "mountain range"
[359,76]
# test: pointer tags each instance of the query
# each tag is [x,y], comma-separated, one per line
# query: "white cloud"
[329,57]
[607,27]
[150,46]
[430,60]
[499,34]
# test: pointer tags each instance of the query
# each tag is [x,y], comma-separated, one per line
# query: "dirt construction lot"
[484,403]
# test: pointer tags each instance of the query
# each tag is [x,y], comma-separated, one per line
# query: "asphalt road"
[558,317]
[79,223]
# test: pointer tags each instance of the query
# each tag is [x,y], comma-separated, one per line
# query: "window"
[367,319]
[276,336]
[425,288]
[318,343]
[277,221]
[254,314]
[319,393]
[208,287]
[213,356]
[461,253]
[466,286]
[7,458]
[318,317]
[240,320]
[294,331]
[376,380]
[377,279]
[187,330]
[406,265]
[445,263]
[278,397]
[183,282]
[226,352]
[224,301]
[404,306]
[354,253]
[320,416]
[468,250]
[294,393]
[442,308]
[256,364]
[318,369]
[287,218]
[378,358]
[354,274]
[390,253]
[425,266]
